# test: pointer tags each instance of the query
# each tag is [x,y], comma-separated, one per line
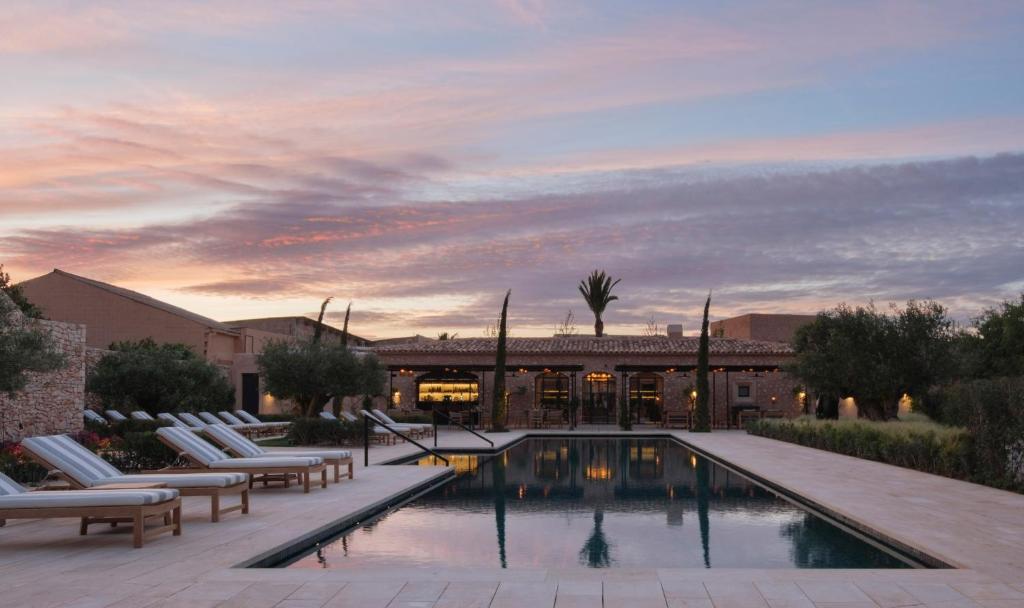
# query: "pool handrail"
[455,422]
[367,416]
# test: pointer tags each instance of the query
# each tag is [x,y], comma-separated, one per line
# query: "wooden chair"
[745,416]
[95,506]
[241,446]
[676,419]
[83,470]
[205,456]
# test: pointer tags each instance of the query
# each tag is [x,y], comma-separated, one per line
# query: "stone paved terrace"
[45,564]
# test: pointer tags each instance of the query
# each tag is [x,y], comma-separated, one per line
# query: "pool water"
[597,503]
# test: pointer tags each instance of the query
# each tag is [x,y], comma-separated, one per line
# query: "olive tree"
[24,348]
[312,373]
[158,378]
[874,357]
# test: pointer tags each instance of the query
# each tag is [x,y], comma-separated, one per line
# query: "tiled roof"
[625,345]
[148,301]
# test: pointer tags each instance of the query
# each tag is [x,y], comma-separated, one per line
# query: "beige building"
[298,327]
[651,374]
[767,327]
[114,314]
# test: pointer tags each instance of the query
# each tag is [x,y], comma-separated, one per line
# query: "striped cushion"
[230,418]
[330,416]
[210,418]
[115,415]
[400,425]
[170,418]
[327,455]
[191,419]
[233,441]
[246,416]
[185,441]
[9,487]
[140,415]
[92,416]
[73,459]
[266,463]
[86,498]
[185,480]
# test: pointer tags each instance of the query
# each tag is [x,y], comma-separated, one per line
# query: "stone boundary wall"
[52,402]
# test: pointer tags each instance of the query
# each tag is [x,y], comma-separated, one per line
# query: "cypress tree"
[702,417]
[498,412]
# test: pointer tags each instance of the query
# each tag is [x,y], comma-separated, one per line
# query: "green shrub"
[16,465]
[317,431]
[405,417]
[916,444]
[131,445]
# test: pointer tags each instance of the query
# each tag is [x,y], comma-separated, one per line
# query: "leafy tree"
[568,326]
[17,296]
[446,335]
[159,378]
[23,348]
[875,357]
[498,410]
[997,346]
[702,412]
[311,374]
[597,292]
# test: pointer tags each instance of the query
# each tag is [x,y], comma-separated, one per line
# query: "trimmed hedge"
[923,446]
[318,431]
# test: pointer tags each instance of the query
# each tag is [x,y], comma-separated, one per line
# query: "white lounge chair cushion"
[191,419]
[8,486]
[329,416]
[234,441]
[140,415]
[71,458]
[267,463]
[92,416]
[391,422]
[323,454]
[184,440]
[86,498]
[115,415]
[170,418]
[184,480]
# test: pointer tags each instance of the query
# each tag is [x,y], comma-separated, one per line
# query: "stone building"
[52,402]
[652,374]
[114,314]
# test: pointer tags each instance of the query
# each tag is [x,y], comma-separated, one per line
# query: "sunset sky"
[246,159]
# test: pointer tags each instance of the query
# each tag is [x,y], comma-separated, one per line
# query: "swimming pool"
[598,503]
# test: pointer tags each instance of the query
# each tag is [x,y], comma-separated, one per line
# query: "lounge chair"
[330,416]
[425,429]
[203,455]
[191,420]
[92,416]
[268,428]
[84,470]
[248,429]
[239,445]
[166,417]
[94,506]
[247,417]
[115,416]
[380,433]
[141,415]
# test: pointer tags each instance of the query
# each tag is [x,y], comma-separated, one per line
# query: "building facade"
[649,375]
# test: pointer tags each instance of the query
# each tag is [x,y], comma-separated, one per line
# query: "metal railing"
[366,439]
[455,422]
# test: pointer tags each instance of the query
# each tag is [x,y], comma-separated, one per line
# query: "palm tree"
[597,292]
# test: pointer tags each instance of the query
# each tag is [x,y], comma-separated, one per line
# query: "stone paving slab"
[43,563]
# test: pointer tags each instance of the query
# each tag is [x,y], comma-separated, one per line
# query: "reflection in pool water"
[598,503]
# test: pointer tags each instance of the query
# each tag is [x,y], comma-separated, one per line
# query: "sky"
[245,159]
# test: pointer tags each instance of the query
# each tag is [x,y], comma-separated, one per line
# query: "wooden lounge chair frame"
[169,510]
[268,474]
[334,462]
[215,493]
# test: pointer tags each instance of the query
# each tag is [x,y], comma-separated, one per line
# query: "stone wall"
[51,402]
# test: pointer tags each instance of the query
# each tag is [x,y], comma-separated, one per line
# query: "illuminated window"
[599,398]
[645,394]
[445,391]
[552,391]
